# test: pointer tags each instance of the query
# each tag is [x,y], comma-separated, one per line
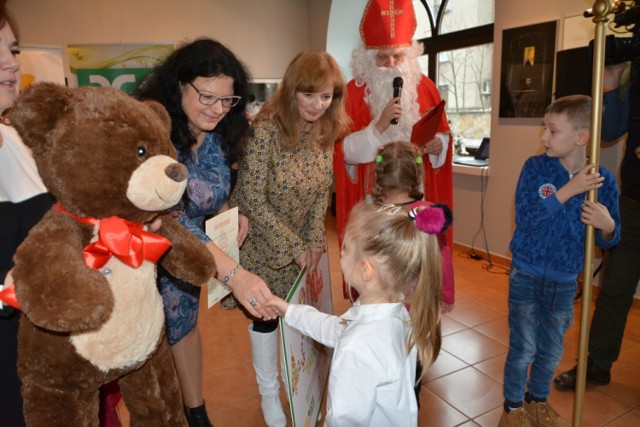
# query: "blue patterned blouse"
[207,188]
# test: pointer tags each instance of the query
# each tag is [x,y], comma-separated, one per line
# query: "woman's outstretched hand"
[253,293]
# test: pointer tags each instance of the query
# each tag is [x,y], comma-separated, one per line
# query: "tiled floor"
[463,387]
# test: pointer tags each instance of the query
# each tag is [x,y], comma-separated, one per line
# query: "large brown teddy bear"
[85,277]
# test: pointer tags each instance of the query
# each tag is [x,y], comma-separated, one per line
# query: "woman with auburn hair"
[284,178]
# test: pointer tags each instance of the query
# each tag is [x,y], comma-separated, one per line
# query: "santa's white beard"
[379,82]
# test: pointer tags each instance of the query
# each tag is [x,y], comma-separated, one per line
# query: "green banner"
[121,66]
[125,79]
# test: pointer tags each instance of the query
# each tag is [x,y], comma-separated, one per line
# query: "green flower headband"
[418,159]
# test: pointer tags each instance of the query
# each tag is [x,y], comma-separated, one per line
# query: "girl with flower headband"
[398,181]
[392,258]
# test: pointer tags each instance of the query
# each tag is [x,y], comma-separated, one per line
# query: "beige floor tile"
[625,378]
[436,412]
[469,391]
[490,419]
[497,301]
[631,418]
[450,326]
[493,367]
[444,365]
[497,329]
[598,408]
[471,313]
[472,347]
[226,386]
[239,414]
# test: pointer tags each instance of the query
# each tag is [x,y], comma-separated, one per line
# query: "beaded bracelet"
[231,274]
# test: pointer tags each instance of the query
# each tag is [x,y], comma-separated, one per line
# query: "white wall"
[344,31]
[265,35]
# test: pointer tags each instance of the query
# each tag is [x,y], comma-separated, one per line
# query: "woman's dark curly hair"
[203,57]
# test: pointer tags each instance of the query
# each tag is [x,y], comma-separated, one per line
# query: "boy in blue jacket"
[548,253]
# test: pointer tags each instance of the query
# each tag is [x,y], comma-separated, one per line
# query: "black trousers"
[621,276]
[16,219]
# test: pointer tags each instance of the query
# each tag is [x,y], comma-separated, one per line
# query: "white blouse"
[372,374]
[19,178]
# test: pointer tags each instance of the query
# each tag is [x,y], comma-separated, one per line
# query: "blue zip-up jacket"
[549,239]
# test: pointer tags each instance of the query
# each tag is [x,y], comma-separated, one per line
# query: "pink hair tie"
[434,219]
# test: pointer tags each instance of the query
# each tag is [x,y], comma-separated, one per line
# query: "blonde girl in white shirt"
[391,258]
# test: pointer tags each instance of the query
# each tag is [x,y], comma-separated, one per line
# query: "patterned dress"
[207,190]
[285,194]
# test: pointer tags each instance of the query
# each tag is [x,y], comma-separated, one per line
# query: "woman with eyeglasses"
[204,87]
[284,176]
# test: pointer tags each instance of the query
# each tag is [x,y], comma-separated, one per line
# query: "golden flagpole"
[601,9]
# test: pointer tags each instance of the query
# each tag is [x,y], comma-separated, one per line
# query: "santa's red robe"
[438,183]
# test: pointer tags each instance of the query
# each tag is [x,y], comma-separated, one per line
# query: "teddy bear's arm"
[55,287]
[188,259]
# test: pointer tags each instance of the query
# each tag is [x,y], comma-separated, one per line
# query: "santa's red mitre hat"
[388,24]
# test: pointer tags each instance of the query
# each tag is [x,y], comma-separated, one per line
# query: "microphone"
[397,89]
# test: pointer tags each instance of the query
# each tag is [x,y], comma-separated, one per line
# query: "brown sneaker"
[542,414]
[515,418]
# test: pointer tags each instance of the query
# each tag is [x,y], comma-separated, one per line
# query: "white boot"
[264,351]
[283,374]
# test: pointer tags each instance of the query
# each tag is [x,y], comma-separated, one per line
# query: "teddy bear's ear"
[161,112]
[37,110]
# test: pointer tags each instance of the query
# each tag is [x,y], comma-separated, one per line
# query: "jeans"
[540,312]
[621,275]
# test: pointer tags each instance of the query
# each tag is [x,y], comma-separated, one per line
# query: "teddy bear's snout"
[177,172]
[157,184]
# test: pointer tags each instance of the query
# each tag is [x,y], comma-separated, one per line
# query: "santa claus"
[378,115]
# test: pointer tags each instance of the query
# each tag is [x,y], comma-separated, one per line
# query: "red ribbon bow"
[123,239]
[8,296]
[117,237]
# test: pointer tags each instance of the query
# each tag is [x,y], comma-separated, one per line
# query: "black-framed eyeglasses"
[209,99]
